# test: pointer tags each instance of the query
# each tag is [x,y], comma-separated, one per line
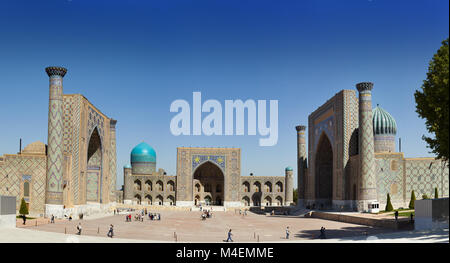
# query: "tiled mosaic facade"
[63,170]
[54,189]
[15,169]
[359,173]
[189,188]
[367,182]
[156,188]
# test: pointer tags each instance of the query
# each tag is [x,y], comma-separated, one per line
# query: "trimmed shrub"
[23,208]
[413,199]
[389,206]
[436,195]
[425,196]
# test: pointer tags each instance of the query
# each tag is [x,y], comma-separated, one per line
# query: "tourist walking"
[322,233]
[111,231]
[229,236]
[287,232]
[396,216]
[24,217]
[52,220]
[79,229]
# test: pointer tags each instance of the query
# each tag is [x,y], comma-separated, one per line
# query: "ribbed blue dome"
[143,153]
[383,122]
[289,168]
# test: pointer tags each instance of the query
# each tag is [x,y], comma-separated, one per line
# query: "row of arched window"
[158,200]
[148,185]
[256,187]
[267,201]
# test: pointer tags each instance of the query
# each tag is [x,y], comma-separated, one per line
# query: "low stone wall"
[88,209]
[385,223]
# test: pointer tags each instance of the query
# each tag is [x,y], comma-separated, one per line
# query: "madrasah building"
[205,176]
[76,171]
[351,161]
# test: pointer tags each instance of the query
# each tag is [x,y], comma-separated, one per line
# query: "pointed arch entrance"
[209,182]
[324,172]
[94,168]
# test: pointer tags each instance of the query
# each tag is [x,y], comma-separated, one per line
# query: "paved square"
[189,227]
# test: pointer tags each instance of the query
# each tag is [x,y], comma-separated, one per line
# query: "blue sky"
[132,59]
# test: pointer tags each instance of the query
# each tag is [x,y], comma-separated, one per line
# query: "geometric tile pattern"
[390,180]
[197,160]
[357,174]
[112,158]
[423,175]
[350,140]
[366,147]
[95,120]
[302,161]
[92,187]
[55,141]
[72,123]
[17,168]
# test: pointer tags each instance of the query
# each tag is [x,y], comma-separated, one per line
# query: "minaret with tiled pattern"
[113,158]
[367,177]
[54,183]
[301,163]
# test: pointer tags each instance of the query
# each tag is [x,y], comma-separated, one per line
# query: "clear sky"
[132,59]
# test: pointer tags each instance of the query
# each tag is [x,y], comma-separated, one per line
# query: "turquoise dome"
[383,122]
[143,153]
[127,166]
[289,168]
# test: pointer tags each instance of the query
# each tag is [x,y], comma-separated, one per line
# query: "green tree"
[295,197]
[389,206]
[23,208]
[436,195]
[432,102]
[425,196]
[413,199]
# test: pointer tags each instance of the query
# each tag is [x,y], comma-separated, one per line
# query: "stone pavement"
[184,226]
[22,235]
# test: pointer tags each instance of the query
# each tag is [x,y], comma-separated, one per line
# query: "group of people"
[155,216]
[128,218]
[243,213]
[206,214]
[140,216]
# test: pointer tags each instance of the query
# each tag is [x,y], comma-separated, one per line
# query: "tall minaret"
[289,190]
[367,177]
[112,160]
[54,188]
[301,163]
